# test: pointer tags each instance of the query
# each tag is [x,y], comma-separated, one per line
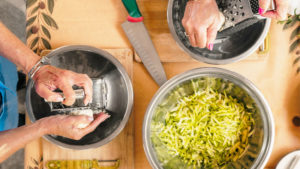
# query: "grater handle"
[79,94]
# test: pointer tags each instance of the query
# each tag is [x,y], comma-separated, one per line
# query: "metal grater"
[237,11]
[98,104]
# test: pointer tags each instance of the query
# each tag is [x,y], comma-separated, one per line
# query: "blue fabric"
[8,83]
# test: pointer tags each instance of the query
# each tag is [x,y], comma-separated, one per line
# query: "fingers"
[87,84]
[201,26]
[212,31]
[68,91]
[270,14]
[263,6]
[201,37]
[75,127]
[46,93]
[196,35]
[192,39]
[279,13]
[99,119]
[82,121]
[189,32]
[211,36]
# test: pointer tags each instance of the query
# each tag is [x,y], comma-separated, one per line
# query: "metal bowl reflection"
[228,48]
[96,64]
[260,144]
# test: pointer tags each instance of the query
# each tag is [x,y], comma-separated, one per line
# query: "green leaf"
[290,23]
[296,60]
[46,32]
[294,45]
[295,33]
[34,42]
[35,162]
[35,9]
[41,160]
[49,20]
[30,20]
[281,22]
[50,6]
[28,33]
[298,70]
[29,3]
[35,50]
[46,43]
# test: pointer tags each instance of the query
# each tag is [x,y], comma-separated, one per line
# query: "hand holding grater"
[98,103]
[238,14]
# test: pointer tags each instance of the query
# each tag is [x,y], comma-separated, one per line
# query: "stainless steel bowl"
[228,49]
[95,63]
[261,142]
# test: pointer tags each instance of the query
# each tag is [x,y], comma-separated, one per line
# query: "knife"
[138,36]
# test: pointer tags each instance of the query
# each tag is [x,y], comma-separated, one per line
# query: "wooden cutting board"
[155,19]
[38,152]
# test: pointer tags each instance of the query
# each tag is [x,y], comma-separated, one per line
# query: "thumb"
[263,6]
[47,94]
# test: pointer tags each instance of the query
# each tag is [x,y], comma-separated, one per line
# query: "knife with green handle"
[139,37]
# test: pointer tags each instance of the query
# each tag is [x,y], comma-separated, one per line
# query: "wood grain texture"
[122,147]
[33,151]
[275,76]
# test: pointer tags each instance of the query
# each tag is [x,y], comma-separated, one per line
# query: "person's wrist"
[31,63]
[37,66]
[45,126]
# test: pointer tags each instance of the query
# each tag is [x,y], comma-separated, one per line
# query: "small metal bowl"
[227,49]
[260,143]
[95,63]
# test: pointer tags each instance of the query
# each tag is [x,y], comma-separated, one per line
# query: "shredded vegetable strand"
[206,129]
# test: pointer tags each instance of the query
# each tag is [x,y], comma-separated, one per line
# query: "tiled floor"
[12,14]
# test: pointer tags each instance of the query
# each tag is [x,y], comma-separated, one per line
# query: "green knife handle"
[133,10]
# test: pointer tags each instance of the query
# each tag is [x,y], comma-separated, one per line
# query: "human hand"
[279,13]
[201,21]
[68,126]
[48,78]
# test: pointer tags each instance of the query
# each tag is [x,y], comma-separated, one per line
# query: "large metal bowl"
[95,63]
[260,144]
[228,49]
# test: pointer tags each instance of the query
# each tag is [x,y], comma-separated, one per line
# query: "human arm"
[48,77]
[63,125]
[202,20]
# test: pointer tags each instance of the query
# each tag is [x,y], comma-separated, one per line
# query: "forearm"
[14,50]
[14,139]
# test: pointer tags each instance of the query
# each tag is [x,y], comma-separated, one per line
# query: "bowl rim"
[201,58]
[130,96]
[237,79]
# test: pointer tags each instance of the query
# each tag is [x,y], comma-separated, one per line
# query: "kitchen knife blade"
[139,37]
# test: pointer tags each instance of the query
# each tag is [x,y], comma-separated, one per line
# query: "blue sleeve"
[8,79]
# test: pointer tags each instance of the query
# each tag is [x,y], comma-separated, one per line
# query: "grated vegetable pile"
[206,129]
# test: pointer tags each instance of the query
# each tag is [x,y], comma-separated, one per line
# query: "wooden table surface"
[97,23]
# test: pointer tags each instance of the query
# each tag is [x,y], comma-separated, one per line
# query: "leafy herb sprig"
[39,24]
[295,36]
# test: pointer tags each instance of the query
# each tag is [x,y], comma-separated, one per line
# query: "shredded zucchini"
[205,129]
